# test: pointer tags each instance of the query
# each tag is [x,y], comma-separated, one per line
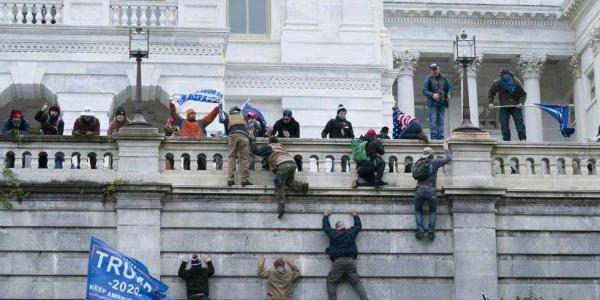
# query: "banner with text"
[114,276]
[204,95]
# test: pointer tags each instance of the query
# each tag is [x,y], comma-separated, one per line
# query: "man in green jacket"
[284,167]
[510,93]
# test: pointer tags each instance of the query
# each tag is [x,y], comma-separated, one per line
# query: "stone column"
[406,62]
[472,71]
[531,67]
[579,98]
[595,45]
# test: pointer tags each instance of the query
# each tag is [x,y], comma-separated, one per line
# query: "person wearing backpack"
[366,153]
[425,172]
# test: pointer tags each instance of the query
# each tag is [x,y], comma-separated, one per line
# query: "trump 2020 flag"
[561,114]
[204,95]
[114,276]
[247,108]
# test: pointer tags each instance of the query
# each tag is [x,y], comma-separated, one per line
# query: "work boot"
[282,210]
[431,235]
[230,182]
[354,183]
[381,183]
[419,234]
[245,183]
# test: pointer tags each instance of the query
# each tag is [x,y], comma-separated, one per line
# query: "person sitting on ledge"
[16,124]
[407,127]
[196,278]
[284,167]
[280,279]
[343,252]
[371,169]
[384,133]
[190,127]
[87,124]
[51,122]
[118,121]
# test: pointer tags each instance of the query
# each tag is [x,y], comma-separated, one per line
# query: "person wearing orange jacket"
[190,127]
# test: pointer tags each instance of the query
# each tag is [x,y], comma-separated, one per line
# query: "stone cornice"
[301,83]
[571,8]
[480,20]
[161,48]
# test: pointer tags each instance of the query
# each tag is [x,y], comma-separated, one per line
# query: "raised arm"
[182,273]
[261,268]
[295,270]
[326,226]
[210,117]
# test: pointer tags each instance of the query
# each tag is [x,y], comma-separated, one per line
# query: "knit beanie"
[120,111]
[341,108]
[196,261]
[189,111]
[287,113]
[16,114]
[371,133]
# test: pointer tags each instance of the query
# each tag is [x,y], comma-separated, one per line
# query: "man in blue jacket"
[343,252]
[438,90]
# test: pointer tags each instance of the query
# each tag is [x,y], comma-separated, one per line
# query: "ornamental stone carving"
[301,83]
[191,49]
[406,61]
[532,65]
[575,65]
[595,40]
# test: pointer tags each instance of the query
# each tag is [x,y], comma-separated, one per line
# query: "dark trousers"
[198,297]
[371,171]
[344,266]
[423,194]
[413,131]
[517,115]
[284,178]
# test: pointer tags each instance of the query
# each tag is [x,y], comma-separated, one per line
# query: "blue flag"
[114,276]
[561,113]
[247,108]
[204,95]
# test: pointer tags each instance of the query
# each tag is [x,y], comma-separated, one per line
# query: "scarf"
[507,83]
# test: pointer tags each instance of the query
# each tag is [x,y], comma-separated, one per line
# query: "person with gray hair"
[343,252]
[424,171]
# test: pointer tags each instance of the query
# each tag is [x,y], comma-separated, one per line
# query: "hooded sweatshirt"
[196,278]
[280,283]
[50,125]
[115,125]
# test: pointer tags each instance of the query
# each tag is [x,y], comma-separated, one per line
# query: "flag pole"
[525,105]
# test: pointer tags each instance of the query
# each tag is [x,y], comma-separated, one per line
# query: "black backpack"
[422,169]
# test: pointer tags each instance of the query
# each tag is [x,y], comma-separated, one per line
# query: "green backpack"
[422,169]
[359,150]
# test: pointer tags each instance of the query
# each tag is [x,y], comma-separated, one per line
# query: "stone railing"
[31,12]
[136,13]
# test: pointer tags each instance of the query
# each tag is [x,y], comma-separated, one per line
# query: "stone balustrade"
[148,14]
[31,12]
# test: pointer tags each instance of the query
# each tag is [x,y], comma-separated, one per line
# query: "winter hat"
[196,261]
[371,133]
[54,108]
[234,109]
[341,108]
[87,111]
[287,113]
[427,152]
[120,111]
[189,111]
[279,262]
[16,114]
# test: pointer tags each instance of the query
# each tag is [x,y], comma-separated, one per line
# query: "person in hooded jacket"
[190,127]
[338,128]
[87,124]
[196,278]
[16,124]
[510,92]
[280,279]
[343,252]
[371,170]
[118,121]
[51,121]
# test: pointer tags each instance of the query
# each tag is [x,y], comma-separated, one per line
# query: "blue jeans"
[423,194]
[413,131]
[436,121]
[517,115]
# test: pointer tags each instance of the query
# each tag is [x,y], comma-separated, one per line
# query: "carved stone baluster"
[135,20]
[20,10]
[58,17]
[123,18]
[143,16]
[33,15]
[116,15]
[171,16]
[10,14]
[28,11]
[154,21]
[162,19]
[3,12]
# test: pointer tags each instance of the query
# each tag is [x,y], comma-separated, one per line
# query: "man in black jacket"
[338,128]
[196,278]
[51,122]
[343,252]
[371,170]
[287,126]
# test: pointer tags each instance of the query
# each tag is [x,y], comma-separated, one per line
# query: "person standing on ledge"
[438,91]
[280,279]
[510,93]
[425,172]
[286,127]
[196,278]
[239,146]
[338,128]
[343,252]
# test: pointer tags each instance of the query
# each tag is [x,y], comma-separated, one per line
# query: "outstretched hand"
[354,212]
[327,213]
[44,106]
[445,146]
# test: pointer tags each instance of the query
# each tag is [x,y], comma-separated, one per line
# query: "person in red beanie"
[371,170]
[16,124]
[196,278]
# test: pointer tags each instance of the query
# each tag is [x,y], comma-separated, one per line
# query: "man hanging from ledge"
[16,124]
[280,279]
[196,278]
[343,252]
[87,124]
[190,127]
[284,167]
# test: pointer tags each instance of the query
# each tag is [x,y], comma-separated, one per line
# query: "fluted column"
[579,98]
[531,67]
[406,62]
[472,71]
